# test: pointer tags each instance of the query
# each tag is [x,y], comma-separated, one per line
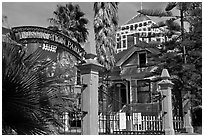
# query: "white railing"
[133,123]
[136,123]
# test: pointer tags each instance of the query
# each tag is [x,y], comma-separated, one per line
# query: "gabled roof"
[137,18]
[122,56]
[127,54]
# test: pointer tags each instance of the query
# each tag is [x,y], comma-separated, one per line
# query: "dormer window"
[142,59]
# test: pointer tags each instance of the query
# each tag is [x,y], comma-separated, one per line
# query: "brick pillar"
[165,87]
[90,76]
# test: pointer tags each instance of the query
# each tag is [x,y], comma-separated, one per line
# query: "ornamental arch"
[65,54]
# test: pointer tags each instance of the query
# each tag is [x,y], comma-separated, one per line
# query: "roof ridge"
[131,19]
[137,16]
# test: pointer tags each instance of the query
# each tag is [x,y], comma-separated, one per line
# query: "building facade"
[139,28]
[133,87]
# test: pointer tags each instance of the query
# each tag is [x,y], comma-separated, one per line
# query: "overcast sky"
[37,13]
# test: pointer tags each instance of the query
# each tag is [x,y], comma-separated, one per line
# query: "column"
[119,98]
[90,76]
[165,88]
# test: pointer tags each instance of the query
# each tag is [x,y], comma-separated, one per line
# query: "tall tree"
[69,19]
[181,55]
[105,25]
[172,26]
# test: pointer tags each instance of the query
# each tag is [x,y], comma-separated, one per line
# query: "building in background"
[138,29]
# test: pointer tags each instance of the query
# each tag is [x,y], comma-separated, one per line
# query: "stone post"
[187,117]
[90,77]
[165,87]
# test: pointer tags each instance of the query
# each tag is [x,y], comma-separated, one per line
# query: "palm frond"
[105,24]
[170,6]
[27,99]
[69,19]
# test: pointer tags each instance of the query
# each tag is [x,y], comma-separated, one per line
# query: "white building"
[137,28]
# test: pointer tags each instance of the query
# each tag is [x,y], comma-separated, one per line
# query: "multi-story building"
[139,28]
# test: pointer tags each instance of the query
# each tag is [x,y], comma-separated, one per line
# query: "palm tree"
[28,101]
[69,20]
[105,25]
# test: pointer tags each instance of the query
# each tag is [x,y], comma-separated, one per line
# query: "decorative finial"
[165,74]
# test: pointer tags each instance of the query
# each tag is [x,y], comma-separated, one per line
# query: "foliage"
[29,102]
[184,68]
[69,20]
[105,25]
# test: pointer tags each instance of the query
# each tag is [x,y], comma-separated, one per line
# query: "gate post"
[165,87]
[90,77]
[187,117]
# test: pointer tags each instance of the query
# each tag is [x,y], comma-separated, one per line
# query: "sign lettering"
[31,32]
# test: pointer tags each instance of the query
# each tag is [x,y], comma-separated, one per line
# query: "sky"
[37,13]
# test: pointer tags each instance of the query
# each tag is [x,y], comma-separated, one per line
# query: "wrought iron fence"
[178,124]
[71,123]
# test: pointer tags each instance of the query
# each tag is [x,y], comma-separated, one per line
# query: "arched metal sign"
[51,40]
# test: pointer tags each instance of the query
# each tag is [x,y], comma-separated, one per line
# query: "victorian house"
[133,86]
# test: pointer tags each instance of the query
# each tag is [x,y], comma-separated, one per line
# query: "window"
[136,26]
[78,82]
[143,34]
[158,39]
[144,29]
[140,25]
[131,27]
[143,91]
[149,29]
[142,59]
[124,43]
[118,45]
[145,23]
[124,36]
